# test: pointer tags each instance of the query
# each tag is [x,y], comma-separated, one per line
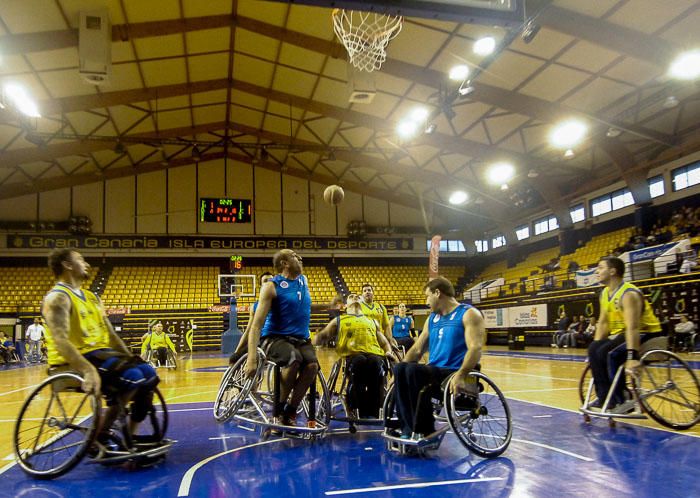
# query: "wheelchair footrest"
[414,444]
[593,412]
[142,451]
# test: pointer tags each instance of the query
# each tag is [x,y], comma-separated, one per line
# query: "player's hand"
[390,356]
[91,381]
[632,367]
[462,382]
[251,365]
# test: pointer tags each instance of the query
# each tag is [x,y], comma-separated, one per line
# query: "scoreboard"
[223,210]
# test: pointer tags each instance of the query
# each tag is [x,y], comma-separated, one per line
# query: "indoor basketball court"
[178,145]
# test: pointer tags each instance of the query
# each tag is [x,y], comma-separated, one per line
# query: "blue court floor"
[553,454]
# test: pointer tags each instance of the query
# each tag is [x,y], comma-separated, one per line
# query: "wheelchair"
[482,422]
[249,401]
[338,382]
[170,361]
[666,390]
[58,423]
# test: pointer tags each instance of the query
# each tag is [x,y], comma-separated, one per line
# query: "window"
[611,202]
[577,213]
[621,198]
[522,232]
[601,205]
[686,176]
[656,186]
[448,246]
[498,241]
[481,245]
[547,224]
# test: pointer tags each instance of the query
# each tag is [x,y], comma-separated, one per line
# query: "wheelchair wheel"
[322,401]
[155,425]
[668,390]
[583,383]
[233,391]
[171,361]
[482,423]
[391,419]
[56,426]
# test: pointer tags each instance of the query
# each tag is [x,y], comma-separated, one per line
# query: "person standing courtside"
[35,335]
[376,311]
[401,327]
[626,321]
[453,334]
[282,321]
[80,335]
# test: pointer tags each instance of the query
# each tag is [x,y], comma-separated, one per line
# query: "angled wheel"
[56,426]
[584,383]
[391,419]
[481,422]
[171,361]
[155,425]
[322,402]
[233,390]
[668,390]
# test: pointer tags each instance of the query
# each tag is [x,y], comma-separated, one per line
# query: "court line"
[544,389]
[412,485]
[17,390]
[505,372]
[191,394]
[554,448]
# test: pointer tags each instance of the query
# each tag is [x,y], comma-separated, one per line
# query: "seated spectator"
[684,331]
[569,338]
[7,348]
[573,267]
[689,262]
[562,327]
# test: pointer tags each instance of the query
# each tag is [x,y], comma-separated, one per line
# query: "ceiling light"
[670,102]
[465,88]
[569,153]
[430,129]
[530,31]
[504,186]
[485,45]
[21,100]
[458,197]
[459,73]
[568,134]
[532,173]
[407,128]
[613,132]
[686,66]
[501,173]
[419,114]
[119,148]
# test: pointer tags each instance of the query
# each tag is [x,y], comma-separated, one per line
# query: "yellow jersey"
[357,334]
[159,341]
[377,312]
[648,324]
[87,330]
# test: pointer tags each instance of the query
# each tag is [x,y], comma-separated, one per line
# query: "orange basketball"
[333,194]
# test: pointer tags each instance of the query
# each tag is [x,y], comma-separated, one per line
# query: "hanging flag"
[434,256]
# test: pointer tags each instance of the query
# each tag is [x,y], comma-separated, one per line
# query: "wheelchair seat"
[57,426]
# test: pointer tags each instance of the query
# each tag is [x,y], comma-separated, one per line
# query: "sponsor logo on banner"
[434,256]
[649,252]
[124,310]
[225,308]
[496,318]
[528,316]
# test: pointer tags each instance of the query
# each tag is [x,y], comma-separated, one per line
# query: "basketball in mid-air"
[333,195]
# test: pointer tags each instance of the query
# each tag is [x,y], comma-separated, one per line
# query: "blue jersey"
[447,344]
[402,327]
[290,313]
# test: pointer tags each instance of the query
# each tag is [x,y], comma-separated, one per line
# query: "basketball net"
[365,35]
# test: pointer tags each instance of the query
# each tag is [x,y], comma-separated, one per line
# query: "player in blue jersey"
[453,335]
[243,342]
[401,327]
[282,321]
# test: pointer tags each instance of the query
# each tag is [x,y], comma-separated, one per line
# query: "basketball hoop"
[365,35]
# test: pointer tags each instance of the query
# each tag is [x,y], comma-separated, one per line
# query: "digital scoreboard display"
[221,210]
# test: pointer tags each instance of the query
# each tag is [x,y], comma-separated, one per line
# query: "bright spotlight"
[485,45]
[504,187]
[568,134]
[459,73]
[407,128]
[458,197]
[419,114]
[21,100]
[686,66]
[501,173]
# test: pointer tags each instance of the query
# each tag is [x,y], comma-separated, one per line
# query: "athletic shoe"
[624,408]
[289,416]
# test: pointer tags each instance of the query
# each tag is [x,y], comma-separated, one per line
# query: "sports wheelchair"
[58,423]
[666,389]
[482,422]
[338,383]
[250,401]
[152,358]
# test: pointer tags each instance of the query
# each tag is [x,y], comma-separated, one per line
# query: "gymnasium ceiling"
[255,72]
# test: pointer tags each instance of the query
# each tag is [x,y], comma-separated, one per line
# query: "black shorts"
[285,350]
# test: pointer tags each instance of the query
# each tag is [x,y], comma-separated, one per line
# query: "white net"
[365,35]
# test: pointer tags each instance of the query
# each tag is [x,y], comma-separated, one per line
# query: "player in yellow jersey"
[376,311]
[79,334]
[360,341]
[626,321]
[158,342]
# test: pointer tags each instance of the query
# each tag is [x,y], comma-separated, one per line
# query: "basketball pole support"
[231,337]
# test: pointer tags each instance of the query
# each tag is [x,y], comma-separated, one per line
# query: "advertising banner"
[528,316]
[496,318]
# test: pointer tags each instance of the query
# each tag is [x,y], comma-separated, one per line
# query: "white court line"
[191,394]
[189,475]
[17,390]
[506,372]
[553,448]
[412,485]
[209,408]
[541,416]
[545,389]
